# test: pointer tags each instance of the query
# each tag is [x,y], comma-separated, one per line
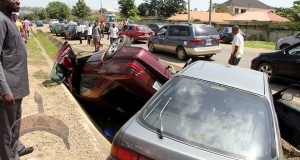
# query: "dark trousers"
[10,122]
[112,40]
[235,61]
[79,34]
[89,37]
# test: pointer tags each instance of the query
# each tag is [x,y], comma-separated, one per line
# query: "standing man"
[113,33]
[89,34]
[102,27]
[125,24]
[19,25]
[96,36]
[79,31]
[13,82]
[26,25]
[237,47]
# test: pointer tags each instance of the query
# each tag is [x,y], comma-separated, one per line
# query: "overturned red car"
[121,77]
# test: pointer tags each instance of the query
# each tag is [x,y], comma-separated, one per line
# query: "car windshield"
[142,28]
[213,117]
[205,31]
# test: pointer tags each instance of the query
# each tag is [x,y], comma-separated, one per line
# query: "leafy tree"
[128,8]
[58,10]
[42,14]
[296,9]
[144,9]
[288,13]
[104,10]
[220,8]
[81,10]
[167,8]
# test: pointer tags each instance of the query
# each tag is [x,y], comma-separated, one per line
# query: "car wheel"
[120,42]
[268,69]
[132,40]
[181,54]
[208,56]
[284,46]
[151,47]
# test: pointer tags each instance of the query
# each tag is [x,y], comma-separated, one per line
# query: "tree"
[42,14]
[167,8]
[296,9]
[220,8]
[288,13]
[128,8]
[58,10]
[81,10]
[144,9]
[104,10]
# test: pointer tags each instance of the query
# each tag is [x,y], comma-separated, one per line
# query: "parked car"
[54,27]
[280,64]
[61,29]
[155,26]
[287,41]
[39,23]
[70,32]
[227,36]
[186,40]
[202,113]
[122,77]
[53,21]
[137,32]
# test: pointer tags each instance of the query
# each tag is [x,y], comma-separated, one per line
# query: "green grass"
[49,47]
[34,54]
[260,44]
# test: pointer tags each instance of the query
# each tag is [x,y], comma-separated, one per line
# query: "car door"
[289,62]
[287,107]
[159,37]
[64,64]
[170,42]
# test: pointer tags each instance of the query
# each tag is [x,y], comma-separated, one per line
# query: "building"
[258,16]
[241,6]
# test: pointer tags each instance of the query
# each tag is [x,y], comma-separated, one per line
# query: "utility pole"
[189,12]
[210,1]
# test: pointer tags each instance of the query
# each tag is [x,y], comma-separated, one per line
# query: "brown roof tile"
[258,16]
[203,16]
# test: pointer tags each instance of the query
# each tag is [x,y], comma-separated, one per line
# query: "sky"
[201,5]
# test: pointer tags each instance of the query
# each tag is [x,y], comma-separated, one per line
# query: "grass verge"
[260,44]
[49,47]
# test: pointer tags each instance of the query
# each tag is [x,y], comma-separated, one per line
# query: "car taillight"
[218,39]
[194,40]
[140,33]
[135,69]
[121,153]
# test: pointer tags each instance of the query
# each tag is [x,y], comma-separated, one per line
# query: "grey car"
[202,113]
[287,41]
[186,40]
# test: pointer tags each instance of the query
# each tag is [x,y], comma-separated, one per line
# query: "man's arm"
[5,91]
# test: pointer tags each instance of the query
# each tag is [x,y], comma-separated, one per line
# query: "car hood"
[266,54]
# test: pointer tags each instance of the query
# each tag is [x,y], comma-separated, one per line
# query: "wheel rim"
[132,40]
[266,69]
[151,47]
[114,46]
[181,53]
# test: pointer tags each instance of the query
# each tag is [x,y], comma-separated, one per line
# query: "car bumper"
[142,38]
[203,51]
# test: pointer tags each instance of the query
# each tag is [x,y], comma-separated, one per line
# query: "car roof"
[233,76]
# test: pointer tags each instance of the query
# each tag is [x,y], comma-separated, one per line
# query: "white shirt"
[79,29]
[238,40]
[113,32]
[90,30]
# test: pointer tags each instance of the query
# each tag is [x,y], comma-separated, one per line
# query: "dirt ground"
[53,123]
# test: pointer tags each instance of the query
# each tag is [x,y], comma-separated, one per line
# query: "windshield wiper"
[160,131]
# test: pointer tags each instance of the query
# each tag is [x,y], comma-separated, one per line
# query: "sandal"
[25,151]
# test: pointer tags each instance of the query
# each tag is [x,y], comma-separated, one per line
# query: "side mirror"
[287,96]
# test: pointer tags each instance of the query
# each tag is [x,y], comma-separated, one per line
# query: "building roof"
[258,16]
[202,16]
[247,4]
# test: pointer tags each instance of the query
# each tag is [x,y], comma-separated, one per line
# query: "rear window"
[212,117]
[205,31]
[142,28]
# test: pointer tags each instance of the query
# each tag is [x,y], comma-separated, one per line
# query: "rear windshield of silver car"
[205,31]
[212,117]
[142,28]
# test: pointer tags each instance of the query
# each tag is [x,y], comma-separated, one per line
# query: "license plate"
[146,34]
[208,42]
[157,85]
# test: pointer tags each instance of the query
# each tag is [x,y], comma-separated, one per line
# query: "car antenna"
[160,131]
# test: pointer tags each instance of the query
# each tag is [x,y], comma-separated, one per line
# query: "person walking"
[102,28]
[113,33]
[26,25]
[237,47]
[90,32]
[13,83]
[19,25]
[96,36]
[79,31]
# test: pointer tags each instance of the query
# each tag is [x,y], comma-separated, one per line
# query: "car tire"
[151,47]
[118,44]
[268,69]
[284,46]
[181,54]
[132,40]
[208,56]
